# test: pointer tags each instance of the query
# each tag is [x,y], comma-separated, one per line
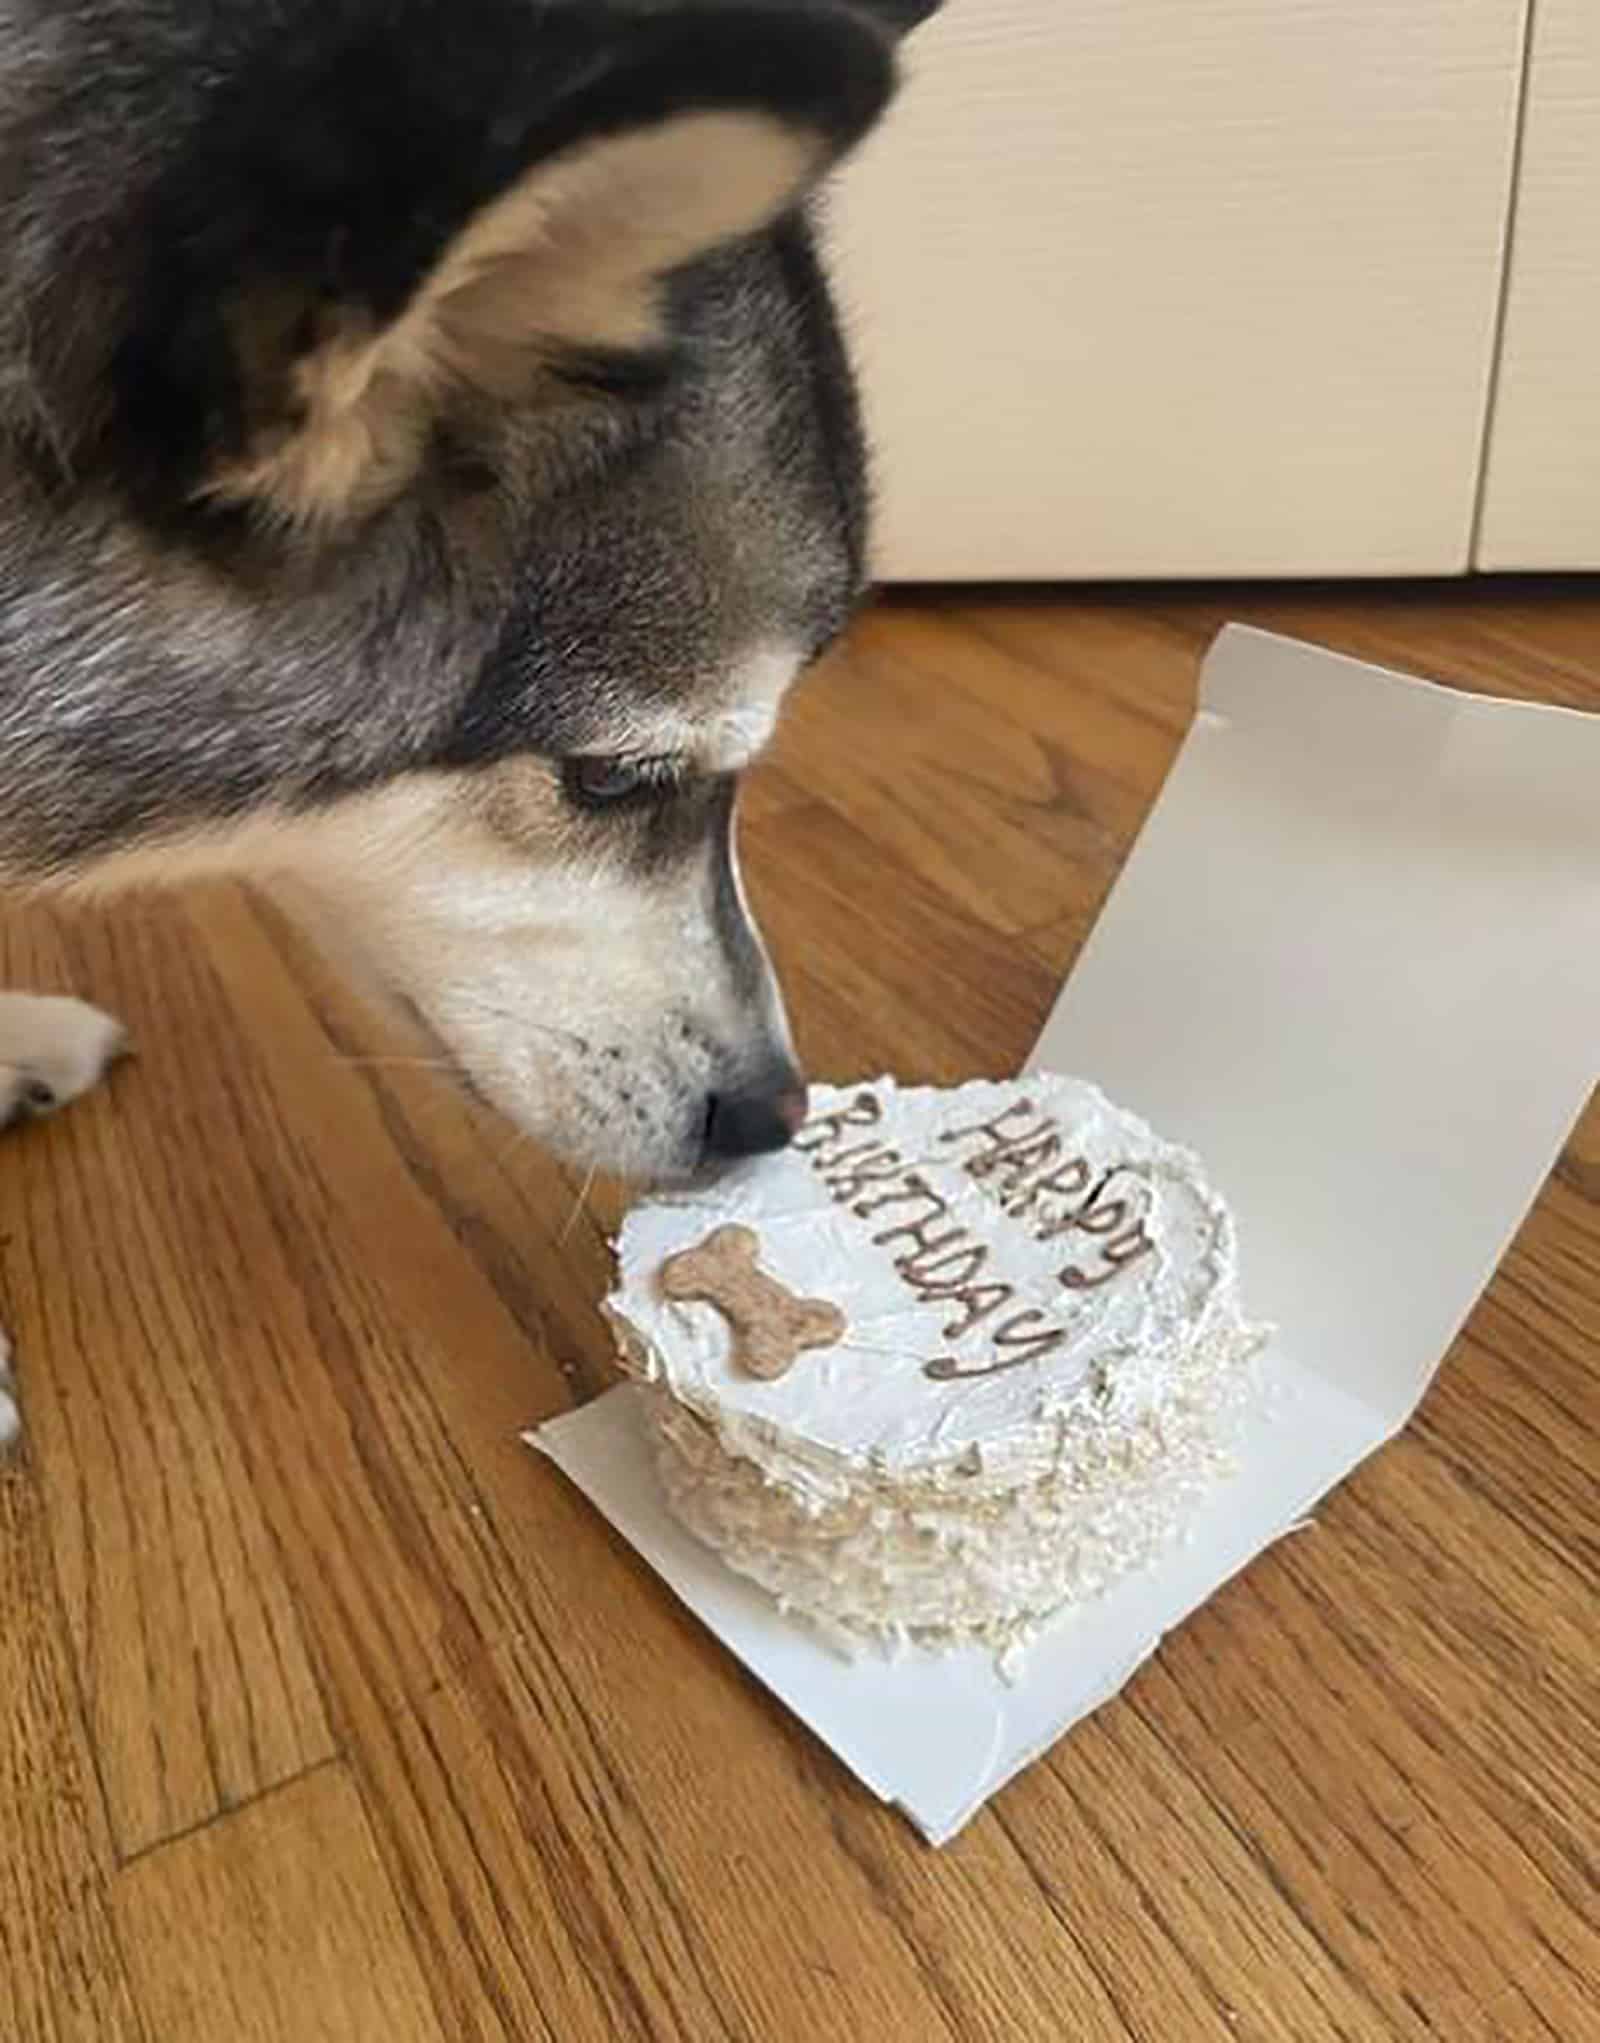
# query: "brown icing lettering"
[950,1276]
[1104,1217]
[875,1167]
[840,1157]
[912,1229]
[980,1301]
[864,1111]
[1031,1343]
[1116,1255]
[1070,1183]
[1096,1215]
[1019,1158]
[995,1135]
[916,1190]
[937,1275]
[1016,1165]
[1010,1169]
[926,1244]
[946,1369]
[1031,1333]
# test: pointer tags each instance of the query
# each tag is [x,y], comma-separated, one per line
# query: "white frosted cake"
[953,1361]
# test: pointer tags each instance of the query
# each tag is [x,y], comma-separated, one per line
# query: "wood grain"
[191,1658]
[61,1972]
[279,1923]
[326,1709]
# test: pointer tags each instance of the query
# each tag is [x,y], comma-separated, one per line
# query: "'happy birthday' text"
[1021,1159]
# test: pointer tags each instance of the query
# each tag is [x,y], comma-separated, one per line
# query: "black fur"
[900,15]
[732,923]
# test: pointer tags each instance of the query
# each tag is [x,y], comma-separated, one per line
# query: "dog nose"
[754,1122]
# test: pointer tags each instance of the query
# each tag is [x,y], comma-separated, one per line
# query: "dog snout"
[755,1120]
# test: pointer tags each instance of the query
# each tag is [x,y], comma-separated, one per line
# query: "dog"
[427,457]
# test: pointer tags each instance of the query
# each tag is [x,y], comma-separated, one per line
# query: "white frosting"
[1042,1347]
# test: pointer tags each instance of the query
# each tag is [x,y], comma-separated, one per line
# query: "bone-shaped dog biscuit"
[771,1327]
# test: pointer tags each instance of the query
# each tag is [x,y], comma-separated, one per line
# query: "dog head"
[429,456]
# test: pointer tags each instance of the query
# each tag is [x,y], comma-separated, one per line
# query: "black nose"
[756,1122]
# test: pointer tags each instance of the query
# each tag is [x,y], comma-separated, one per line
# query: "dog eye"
[595,781]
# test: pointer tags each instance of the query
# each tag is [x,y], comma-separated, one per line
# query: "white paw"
[10,1417]
[51,1049]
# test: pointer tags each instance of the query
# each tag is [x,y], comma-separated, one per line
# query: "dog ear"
[454,204]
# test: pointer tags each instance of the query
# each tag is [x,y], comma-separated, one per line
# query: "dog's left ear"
[447,206]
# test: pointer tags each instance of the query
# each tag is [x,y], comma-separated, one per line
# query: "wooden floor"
[328,1711]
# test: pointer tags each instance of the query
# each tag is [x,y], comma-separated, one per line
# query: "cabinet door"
[1184,287]
[1541,506]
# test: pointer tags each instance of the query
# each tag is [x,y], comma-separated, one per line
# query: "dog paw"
[51,1049]
[10,1417]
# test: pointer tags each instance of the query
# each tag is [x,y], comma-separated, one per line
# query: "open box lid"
[1354,961]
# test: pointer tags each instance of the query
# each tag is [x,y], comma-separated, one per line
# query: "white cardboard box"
[1354,960]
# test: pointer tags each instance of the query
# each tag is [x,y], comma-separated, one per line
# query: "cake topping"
[770,1325]
[1021,1158]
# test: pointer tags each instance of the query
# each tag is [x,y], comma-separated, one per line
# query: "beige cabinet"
[1215,287]
[1541,503]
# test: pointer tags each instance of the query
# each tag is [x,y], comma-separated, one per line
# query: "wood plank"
[194,1671]
[1057,945]
[1192,1940]
[768,791]
[1531,641]
[62,1978]
[1306,1701]
[992,813]
[1111,672]
[278,1182]
[683,1883]
[905,977]
[276,1924]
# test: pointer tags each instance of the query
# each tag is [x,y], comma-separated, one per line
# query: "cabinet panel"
[1150,287]
[1542,499]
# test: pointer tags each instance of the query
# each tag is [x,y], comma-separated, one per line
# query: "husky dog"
[427,455]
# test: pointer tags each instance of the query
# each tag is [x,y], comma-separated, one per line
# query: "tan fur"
[404,812]
[571,256]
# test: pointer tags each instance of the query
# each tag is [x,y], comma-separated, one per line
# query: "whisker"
[420,1063]
[580,1205]
[521,1019]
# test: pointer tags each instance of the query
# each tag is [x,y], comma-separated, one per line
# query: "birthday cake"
[953,1361]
